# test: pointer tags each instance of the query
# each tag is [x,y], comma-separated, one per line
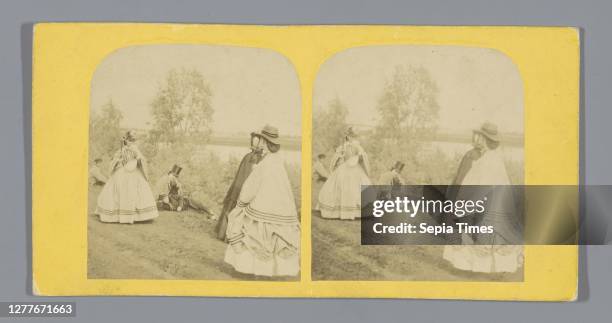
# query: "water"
[225,152]
[511,153]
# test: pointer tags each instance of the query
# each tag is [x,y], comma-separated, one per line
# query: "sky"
[475,84]
[251,87]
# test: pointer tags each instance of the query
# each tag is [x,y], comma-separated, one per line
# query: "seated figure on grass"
[172,196]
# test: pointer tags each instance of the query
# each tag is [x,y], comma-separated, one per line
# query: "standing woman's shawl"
[231,197]
[489,169]
[267,195]
[363,157]
[340,196]
[464,167]
[494,254]
[263,230]
[337,159]
[127,196]
[352,153]
[129,156]
[490,173]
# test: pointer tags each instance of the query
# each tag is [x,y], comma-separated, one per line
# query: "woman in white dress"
[263,229]
[340,196]
[127,196]
[483,167]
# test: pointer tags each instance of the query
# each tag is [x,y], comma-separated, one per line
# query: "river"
[294,156]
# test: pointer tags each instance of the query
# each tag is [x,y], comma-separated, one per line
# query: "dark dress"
[231,198]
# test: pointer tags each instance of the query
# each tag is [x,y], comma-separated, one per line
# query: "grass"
[339,255]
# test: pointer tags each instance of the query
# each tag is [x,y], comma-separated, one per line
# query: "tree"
[408,111]
[182,110]
[105,130]
[328,126]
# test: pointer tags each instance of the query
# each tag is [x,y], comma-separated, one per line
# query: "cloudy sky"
[251,87]
[475,84]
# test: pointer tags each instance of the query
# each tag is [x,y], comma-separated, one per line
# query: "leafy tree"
[408,115]
[329,126]
[182,110]
[105,131]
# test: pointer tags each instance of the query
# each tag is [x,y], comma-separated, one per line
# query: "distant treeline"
[295,143]
[289,143]
[508,139]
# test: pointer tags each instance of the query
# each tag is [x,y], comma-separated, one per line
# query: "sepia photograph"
[195,165]
[415,115]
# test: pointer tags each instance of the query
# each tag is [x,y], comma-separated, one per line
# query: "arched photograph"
[412,115]
[195,163]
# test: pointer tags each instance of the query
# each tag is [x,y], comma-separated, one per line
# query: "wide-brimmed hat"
[489,130]
[399,166]
[268,133]
[349,132]
[129,136]
[176,169]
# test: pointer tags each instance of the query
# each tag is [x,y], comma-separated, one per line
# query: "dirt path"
[339,255]
[183,246]
[176,245]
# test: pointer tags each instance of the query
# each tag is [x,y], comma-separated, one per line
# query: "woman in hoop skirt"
[340,196]
[263,229]
[127,196]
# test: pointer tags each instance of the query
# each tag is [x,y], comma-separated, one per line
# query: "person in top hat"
[263,229]
[482,173]
[244,170]
[393,177]
[127,196]
[340,196]
[391,180]
[97,178]
[170,191]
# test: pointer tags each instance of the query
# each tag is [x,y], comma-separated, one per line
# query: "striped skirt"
[126,197]
[340,196]
[260,247]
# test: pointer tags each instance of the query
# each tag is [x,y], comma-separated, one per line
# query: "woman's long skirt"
[340,196]
[126,197]
[262,248]
[485,258]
